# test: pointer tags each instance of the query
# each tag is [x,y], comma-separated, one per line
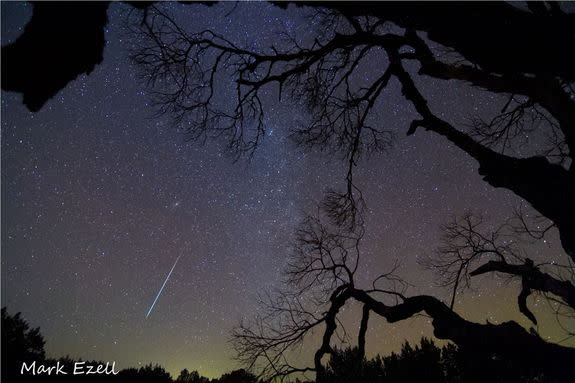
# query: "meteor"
[161,288]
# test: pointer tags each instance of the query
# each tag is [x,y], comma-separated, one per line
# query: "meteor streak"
[161,288]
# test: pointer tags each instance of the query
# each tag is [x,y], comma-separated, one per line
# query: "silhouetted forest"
[427,362]
[423,362]
[21,343]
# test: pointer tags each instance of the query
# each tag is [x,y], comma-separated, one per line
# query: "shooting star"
[159,292]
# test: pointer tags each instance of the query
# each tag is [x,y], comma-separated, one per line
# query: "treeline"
[22,344]
[425,362]
[147,374]
[428,363]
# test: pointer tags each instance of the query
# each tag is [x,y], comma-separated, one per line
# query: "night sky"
[99,198]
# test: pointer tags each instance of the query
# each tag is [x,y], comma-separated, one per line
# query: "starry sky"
[99,198]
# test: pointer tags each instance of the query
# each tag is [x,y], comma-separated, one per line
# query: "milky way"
[99,197]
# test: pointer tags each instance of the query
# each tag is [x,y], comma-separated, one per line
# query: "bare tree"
[345,118]
[320,277]
[322,75]
[321,281]
[523,56]
[469,250]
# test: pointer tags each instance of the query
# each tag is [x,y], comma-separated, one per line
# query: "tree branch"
[532,278]
[363,331]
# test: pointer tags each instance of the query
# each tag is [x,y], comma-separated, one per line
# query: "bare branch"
[467,251]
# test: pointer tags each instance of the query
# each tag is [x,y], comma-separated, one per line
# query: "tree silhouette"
[238,376]
[521,58]
[320,281]
[149,373]
[191,377]
[426,362]
[468,250]
[536,95]
[20,343]
[413,364]
[68,39]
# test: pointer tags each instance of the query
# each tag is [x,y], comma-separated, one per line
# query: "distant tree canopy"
[421,363]
[20,343]
[190,377]
[424,362]
[429,363]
